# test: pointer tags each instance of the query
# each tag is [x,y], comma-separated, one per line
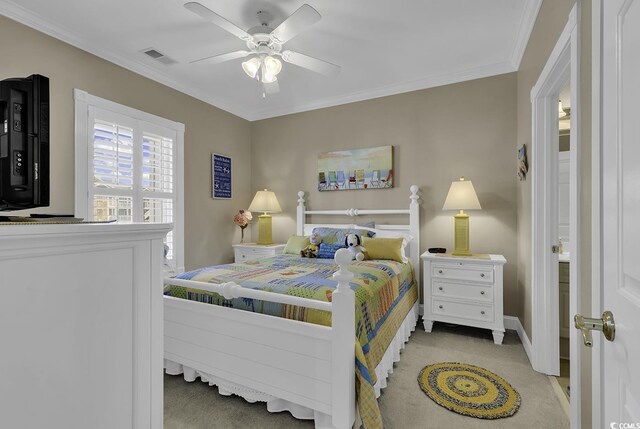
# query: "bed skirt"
[276,405]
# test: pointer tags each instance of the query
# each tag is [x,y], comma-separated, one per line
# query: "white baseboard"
[513,323]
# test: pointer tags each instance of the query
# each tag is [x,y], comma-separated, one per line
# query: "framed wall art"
[367,168]
[221,176]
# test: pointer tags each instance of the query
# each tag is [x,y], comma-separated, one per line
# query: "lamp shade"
[461,196]
[266,202]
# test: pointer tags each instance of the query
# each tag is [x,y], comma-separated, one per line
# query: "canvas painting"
[368,168]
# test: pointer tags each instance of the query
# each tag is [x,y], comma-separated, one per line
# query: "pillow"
[384,248]
[389,233]
[328,251]
[337,235]
[295,244]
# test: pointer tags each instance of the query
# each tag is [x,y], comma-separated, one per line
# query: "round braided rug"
[469,390]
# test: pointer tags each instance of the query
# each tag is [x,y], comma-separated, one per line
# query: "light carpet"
[198,406]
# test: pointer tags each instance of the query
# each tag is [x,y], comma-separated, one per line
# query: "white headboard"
[412,228]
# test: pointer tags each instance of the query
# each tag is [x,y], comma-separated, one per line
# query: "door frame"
[562,66]
[596,206]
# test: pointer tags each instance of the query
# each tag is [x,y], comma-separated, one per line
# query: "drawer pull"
[439,271]
[482,312]
[440,307]
[481,292]
[482,275]
[440,288]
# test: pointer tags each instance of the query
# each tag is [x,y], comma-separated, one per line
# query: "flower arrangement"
[242,219]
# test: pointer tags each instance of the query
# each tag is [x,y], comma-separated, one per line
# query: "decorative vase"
[242,234]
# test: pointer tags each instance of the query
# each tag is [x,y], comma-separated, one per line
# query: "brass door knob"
[606,324]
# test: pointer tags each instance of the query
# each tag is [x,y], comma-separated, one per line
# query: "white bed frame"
[304,368]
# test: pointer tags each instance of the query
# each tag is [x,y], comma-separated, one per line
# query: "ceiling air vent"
[158,56]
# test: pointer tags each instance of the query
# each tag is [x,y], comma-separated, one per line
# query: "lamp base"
[264,230]
[461,235]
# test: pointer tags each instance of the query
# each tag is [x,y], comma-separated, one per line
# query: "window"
[132,169]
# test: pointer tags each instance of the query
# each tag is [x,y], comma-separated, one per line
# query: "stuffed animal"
[311,251]
[352,242]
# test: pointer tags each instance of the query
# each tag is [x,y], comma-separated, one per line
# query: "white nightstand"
[465,291]
[248,251]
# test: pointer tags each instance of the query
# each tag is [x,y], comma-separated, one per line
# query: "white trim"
[527,22]
[28,18]
[85,104]
[513,323]
[562,398]
[563,65]
[479,72]
[596,205]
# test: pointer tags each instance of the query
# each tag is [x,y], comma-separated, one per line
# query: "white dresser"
[81,319]
[465,291]
[248,251]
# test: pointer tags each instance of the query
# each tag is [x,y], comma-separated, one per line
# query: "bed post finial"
[300,214]
[414,194]
[343,332]
[343,258]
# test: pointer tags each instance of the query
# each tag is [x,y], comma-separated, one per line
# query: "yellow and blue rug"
[469,390]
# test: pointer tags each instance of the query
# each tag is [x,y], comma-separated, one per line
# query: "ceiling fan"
[264,45]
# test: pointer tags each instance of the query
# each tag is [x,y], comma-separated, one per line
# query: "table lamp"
[266,202]
[462,196]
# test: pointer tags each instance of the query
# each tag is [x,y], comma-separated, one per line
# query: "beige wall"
[209,230]
[551,21]
[467,129]
[552,18]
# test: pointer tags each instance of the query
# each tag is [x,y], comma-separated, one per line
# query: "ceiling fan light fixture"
[251,67]
[273,65]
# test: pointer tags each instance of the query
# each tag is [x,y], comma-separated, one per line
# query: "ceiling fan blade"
[271,88]
[313,64]
[209,15]
[297,22]
[215,59]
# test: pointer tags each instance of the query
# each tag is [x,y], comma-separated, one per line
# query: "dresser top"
[480,258]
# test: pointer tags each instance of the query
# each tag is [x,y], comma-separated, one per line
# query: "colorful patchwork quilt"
[385,292]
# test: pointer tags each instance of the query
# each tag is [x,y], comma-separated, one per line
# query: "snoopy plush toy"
[352,242]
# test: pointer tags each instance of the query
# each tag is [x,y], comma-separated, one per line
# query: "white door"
[620,359]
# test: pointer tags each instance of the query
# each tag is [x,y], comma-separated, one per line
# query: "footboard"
[306,364]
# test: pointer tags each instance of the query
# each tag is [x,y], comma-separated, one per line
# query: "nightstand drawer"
[463,310]
[480,292]
[476,273]
[248,254]
[251,251]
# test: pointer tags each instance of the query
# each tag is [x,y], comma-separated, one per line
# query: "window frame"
[85,108]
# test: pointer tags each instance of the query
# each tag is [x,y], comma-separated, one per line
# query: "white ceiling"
[384,47]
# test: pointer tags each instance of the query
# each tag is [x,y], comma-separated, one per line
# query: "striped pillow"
[328,251]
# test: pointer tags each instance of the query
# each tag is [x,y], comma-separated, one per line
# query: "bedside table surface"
[259,246]
[481,258]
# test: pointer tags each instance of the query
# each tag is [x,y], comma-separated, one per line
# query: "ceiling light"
[251,67]
[272,65]
[561,112]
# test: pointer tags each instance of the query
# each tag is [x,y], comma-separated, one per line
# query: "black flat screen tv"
[24,143]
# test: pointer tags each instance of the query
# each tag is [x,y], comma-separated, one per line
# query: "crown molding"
[525,28]
[23,16]
[17,13]
[415,85]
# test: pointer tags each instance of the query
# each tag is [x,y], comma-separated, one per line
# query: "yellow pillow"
[383,248]
[295,244]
